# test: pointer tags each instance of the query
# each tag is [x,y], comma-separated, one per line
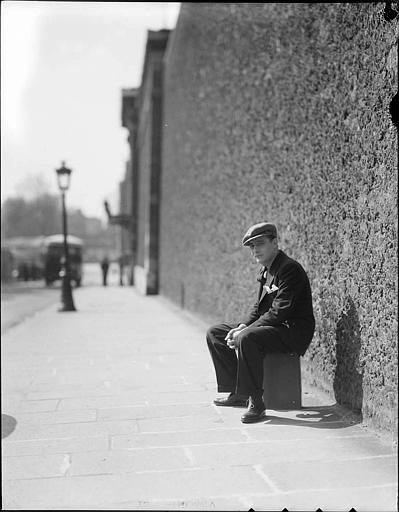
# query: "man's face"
[263,249]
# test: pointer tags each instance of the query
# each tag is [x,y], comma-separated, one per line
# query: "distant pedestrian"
[120,261]
[104,269]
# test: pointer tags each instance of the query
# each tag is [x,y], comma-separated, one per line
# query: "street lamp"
[63,178]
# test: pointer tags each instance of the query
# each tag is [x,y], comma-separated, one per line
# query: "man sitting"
[281,320]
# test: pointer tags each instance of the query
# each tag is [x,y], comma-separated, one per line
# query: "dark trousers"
[241,371]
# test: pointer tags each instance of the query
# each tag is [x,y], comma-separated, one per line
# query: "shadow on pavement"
[329,416]
[8,424]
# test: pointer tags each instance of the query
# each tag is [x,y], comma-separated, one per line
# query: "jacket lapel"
[262,281]
[269,282]
[270,275]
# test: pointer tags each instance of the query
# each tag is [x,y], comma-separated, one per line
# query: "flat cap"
[259,230]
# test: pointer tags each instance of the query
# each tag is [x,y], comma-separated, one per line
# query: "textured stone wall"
[280,112]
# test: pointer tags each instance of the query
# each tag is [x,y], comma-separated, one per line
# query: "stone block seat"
[282,381]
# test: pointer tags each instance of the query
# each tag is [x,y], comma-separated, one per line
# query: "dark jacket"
[288,307]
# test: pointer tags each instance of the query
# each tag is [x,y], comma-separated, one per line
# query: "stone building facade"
[142,116]
[126,231]
[128,186]
[280,112]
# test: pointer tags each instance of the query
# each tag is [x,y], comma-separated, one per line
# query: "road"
[21,300]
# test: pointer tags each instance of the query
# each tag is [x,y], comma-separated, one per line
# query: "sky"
[64,65]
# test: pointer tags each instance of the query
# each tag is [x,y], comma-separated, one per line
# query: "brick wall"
[280,112]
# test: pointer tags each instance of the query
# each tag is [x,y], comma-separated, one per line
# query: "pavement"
[110,408]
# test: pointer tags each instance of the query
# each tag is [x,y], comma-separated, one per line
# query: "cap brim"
[254,238]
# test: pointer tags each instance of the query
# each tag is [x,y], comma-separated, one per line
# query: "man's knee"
[213,332]
[210,333]
[244,338]
[216,333]
[251,335]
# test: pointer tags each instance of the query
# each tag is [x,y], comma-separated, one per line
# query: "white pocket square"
[270,290]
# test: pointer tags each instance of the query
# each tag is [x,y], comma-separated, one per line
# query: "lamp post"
[63,178]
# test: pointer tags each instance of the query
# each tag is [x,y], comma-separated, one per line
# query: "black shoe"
[255,412]
[232,400]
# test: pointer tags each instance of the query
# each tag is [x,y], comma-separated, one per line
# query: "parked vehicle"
[53,256]
[24,257]
[7,264]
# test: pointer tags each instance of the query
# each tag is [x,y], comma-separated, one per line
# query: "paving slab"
[35,466]
[146,486]
[54,417]
[72,429]
[109,462]
[106,408]
[180,438]
[158,411]
[43,447]
[331,473]
[365,499]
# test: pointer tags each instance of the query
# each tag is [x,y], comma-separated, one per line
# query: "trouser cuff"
[255,393]
[226,389]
